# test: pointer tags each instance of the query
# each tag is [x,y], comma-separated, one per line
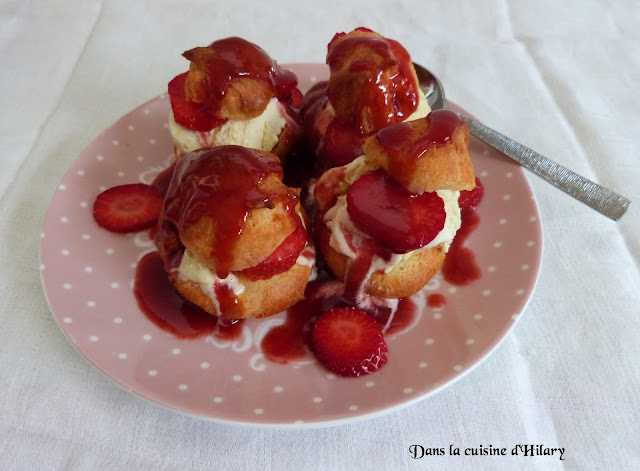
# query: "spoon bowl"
[601,199]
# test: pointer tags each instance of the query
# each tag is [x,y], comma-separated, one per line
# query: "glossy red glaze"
[389,91]
[164,306]
[222,183]
[388,94]
[403,317]
[460,267]
[358,272]
[327,188]
[234,58]
[404,146]
[161,183]
[188,114]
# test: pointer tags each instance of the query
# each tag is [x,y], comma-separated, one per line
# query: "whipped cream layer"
[262,132]
[191,269]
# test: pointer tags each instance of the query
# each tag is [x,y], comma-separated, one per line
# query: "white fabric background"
[562,77]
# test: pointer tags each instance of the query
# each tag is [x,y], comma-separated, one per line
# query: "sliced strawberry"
[188,114]
[349,342]
[400,220]
[282,258]
[128,208]
[471,198]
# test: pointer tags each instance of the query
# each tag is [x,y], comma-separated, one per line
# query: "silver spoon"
[597,197]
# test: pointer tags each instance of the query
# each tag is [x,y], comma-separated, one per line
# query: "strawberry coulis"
[388,98]
[436,300]
[403,159]
[164,306]
[290,341]
[233,58]
[460,267]
[391,96]
[222,183]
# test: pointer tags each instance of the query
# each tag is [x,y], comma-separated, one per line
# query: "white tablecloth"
[562,77]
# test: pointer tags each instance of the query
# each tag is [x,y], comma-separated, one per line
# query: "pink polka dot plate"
[88,276]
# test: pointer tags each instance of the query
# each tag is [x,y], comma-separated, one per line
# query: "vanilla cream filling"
[262,132]
[191,269]
[422,110]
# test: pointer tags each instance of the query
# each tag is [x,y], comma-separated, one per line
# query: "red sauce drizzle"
[436,300]
[460,267]
[289,342]
[228,329]
[442,125]
[221,183]
[235,57]
[356,273]
[403,317]
[405,143]
[164,306]
[388,91]
[225,297]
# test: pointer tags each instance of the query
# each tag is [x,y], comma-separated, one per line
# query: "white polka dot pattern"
[89,291]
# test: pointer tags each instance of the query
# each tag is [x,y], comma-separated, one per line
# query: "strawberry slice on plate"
[128,208]
[349,342]
[388,212]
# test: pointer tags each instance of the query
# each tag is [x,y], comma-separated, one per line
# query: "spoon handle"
[601,199]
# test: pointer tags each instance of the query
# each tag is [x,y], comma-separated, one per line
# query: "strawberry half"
[471,198]
[128,208]
[349,342]
[281,259]
[188,114]
[402,221]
